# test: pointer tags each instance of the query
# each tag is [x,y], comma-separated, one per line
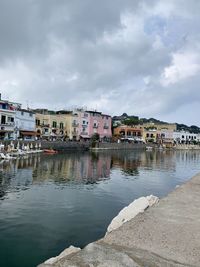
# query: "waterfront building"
[83,124]
[98,123]
[184,137]
[80,125]
[129,132]
[7,119]
[71,121]
[150,135]
[25,124]
[158,132]
[50,126]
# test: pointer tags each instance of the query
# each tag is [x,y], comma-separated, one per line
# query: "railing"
[74,133]
[84,133]
[75,124]
[106,127]
[7,124]
[95,126]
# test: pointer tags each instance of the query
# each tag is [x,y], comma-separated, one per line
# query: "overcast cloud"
[140,57]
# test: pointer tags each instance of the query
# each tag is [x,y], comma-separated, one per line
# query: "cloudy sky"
[136,56]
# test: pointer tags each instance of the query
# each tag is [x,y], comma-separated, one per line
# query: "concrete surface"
[126,214]
[165,235]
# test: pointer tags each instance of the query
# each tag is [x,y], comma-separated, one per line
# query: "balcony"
[11,124]
[45,125]
[95,126]
[84,133]
[74,132]
[106,127]
[75,124]
[7,127]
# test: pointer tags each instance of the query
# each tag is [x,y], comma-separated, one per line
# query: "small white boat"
[149,148]
[5,156]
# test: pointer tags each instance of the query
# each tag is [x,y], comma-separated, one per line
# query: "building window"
[37,122]
[31,114]
[54,124]
[10,119]
[22,113]
[61,125]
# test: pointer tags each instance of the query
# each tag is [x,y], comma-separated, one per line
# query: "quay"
[62,146]
[166,234]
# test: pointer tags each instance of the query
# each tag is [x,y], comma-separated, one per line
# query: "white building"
[183,137]
[7,119]
[25,127]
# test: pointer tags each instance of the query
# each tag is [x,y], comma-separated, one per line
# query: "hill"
[130,120]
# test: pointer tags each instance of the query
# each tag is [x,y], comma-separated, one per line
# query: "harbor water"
[49,202]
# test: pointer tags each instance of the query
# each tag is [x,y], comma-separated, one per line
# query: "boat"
[50,151]
[149,148]
[6,156]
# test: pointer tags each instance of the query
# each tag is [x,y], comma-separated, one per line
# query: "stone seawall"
[73,145]
[187,147]
[166,234]
[116,146]
[57,145]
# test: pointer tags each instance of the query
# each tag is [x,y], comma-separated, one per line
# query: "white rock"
[152,200]
[129,212]
[63,254]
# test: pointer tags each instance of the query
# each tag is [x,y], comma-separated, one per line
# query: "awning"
[31,133]
[85,136]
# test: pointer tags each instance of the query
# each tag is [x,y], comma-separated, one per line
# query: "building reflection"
[86,168]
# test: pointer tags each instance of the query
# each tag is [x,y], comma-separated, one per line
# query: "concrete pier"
[167,234]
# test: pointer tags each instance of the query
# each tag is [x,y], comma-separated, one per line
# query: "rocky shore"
[166,234]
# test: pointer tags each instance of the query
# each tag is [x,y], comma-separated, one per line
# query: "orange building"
[125,131]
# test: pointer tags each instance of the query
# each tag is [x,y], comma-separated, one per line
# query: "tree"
[131,121]
[94,139]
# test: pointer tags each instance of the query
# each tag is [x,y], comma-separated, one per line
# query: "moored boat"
[50,151]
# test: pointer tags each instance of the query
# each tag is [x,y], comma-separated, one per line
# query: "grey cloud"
[65,53]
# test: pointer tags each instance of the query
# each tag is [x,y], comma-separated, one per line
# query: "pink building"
[99,123]
[91,122]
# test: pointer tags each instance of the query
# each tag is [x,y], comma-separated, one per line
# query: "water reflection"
[88,168]
[49,202]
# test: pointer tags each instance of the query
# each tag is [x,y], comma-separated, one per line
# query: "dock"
[165,235]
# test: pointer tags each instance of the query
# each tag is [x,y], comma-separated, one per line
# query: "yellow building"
[152,131]
[71,119]
[60,125]
[50,126]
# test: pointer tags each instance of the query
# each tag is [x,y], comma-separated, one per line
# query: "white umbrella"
[31,146]
[17,145]
[23,146]
[39,146]
[27,147]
